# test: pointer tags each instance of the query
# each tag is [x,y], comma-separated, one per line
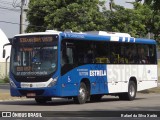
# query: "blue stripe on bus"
[120,39]
[105,38]
[145,41]
[126,39]
[131,39]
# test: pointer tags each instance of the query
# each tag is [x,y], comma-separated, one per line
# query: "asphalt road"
[149,102]
[143,102]
[59,107]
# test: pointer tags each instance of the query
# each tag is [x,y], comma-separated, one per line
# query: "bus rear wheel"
[131,94]
[82,96]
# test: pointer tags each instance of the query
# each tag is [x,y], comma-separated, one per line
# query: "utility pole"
[110,4]
[22,20]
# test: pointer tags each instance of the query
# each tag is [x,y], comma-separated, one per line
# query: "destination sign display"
[36,39]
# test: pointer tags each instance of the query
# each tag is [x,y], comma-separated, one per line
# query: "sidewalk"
[5,93]
[6,96]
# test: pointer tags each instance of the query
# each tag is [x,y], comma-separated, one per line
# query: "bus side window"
[142,55]
[102,53]
[90,56]
[152,54]
[131,54]
[117,55]
[81,58]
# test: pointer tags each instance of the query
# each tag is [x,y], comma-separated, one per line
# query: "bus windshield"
[36,59]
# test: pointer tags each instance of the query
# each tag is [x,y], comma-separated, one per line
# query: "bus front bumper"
[34,92]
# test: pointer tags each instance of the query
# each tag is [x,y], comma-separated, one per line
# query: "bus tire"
[82,96]
[95,98]
[131,94]
[41,100]
[132,90]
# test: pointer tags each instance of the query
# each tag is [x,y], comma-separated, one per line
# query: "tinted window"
[79,52]
[147,54]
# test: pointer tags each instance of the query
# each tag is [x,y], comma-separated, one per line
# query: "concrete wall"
[3,69]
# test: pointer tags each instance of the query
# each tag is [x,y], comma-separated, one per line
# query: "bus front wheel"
[82,96]
[131,94]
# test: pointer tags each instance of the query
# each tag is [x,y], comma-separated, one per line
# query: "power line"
[15,4]
[22,24]
[8,22]
[4,2]
[10,9]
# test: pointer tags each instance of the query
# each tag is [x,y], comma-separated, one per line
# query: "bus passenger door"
[69,77]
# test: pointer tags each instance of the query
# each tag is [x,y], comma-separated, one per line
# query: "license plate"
[31,94]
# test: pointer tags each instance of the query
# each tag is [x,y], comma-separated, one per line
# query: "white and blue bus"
[82,66]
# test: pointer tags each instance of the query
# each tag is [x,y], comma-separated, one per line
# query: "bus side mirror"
[4,53]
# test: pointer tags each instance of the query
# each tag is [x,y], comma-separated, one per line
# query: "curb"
[1,84]
[25,99]
[8,100]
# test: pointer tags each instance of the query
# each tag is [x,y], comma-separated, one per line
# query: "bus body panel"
[103,78]
[96,74]
[119,75]
[40,88]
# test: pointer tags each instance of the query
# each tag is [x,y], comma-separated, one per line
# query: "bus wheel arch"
[83,92]
[132,90]
[134,80]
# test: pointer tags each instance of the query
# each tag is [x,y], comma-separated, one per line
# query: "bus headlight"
[12,84]
[53,82]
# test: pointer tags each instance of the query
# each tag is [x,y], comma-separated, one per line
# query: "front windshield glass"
[34,59]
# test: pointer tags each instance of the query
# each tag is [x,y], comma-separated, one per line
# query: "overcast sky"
[10,14]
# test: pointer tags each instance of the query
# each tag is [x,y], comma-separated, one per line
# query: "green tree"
[138,22]
[132,21]
[155,20]
[87,15]
[77,15]
[155,4]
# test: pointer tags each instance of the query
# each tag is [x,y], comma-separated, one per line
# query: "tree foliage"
[134,21]
[155,4]
[78,15]
[90,15]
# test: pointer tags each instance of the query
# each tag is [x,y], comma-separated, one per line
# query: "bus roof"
[47,32]
[115,37]
[95,35]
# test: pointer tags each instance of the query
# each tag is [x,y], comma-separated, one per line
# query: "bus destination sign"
[36,39]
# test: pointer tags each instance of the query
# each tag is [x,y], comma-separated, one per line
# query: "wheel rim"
[82,93]
[132,91]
